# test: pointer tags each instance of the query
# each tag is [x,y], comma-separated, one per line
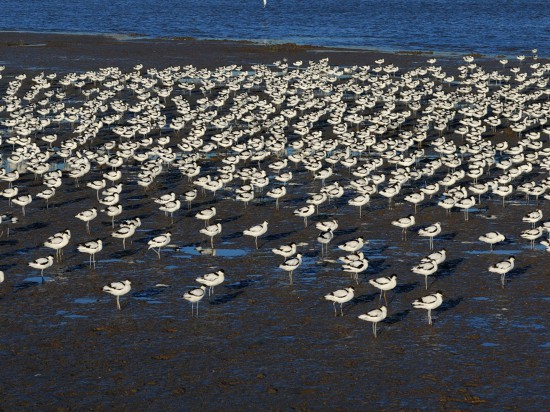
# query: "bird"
[58,242]
[429,303]
[466,204]
[256,231]
[285,251]
[533,217]
[492,238]
[194,296]
[375,316]
[324,239]
[384,284]
[291,264]
[92,247]
[355,267]
[212,230]
[340,296]
[124,232]
[532,235]
[431,231]
[206,215]
[404,223]
[305,212]
[353,245]
[118,289]
[87,216]
[159,242]
[503,267]
[425,268]
[42,263]
[212,279]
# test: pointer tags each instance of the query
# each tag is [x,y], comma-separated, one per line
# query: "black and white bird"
[425,268]
[118,289]
[502,268]
[431,231]
[353,245]
[404,223]
[194,296]
[42,264]
[159,242]
[87,216]
[340,296]
[492,238]
[211,231]
[212,279]
[256,231]
[291,264]
[384,284]
[375,316]
[92,247]
[286,251]
[58,242]
[429,303]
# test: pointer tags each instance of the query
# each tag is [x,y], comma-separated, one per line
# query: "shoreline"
[81,52]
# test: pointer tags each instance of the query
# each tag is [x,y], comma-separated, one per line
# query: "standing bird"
[87,216]
[291,264]
[118,289]
[492,238]
[211,231]
[256,231]
[384,284]
[42,263]
[58,242]
[159,242]
[404,223]
[429,302]
[194,296]
[431,231]
[503,268]
[92,247]
[375,316]
[206,215]
[340,296]
[353,245]
[426,268]
[211,279]
[285,251]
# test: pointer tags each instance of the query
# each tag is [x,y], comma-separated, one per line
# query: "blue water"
[496,27]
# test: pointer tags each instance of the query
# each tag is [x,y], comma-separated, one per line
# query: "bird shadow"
[450,304]
[148,293]
[397,317]
[517,272]
[277,236]
[406,287]
[358,300]
[230,219]
[234,235]
[446,236]
[124,253]
[34,226]
[241,284]
[70,202]
[10,242]
[228,297]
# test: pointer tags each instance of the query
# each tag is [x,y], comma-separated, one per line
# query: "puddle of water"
[494,252]
[480,298]
[85,301]
[38,279]
[189,251]
[489,344]
[69,315]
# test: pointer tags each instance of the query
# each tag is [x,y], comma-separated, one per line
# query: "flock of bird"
[423,136]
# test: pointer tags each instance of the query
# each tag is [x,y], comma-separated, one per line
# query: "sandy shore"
[259,343]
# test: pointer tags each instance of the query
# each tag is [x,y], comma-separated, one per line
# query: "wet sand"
[259,343]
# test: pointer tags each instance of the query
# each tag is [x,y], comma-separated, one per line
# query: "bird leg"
[118,302]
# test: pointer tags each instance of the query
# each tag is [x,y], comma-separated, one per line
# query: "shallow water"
[449,26]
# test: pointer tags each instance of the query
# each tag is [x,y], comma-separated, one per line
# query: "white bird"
[340,296]
[425,268]
[92,247]
[22,201]
[533,217]
[124,232]
[42,263]
[375,316]
[256,231]
[291,264]
[211,231]
[431,231]
[492,238]
[87,216]
[58,242]
[532,235]
[212,279]
[206,215]
[502,268]
[159,242]
[118,289]
[384,284]
[404,223]
[353,245]
[171,207]
[324,239]
[194,296]
[285,251]
[429,303]
[305,212]
[355,267]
